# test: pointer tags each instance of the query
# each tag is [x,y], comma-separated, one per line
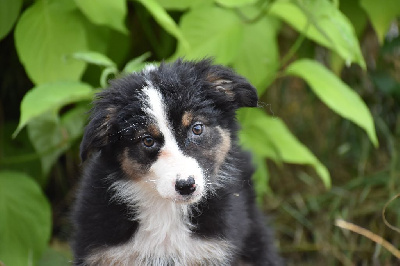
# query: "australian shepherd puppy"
[165,182]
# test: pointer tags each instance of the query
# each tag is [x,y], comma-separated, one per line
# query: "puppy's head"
[169,129]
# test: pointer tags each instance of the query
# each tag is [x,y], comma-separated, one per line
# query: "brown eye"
[148,141]
[197,129]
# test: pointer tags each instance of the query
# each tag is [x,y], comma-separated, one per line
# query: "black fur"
[210,91]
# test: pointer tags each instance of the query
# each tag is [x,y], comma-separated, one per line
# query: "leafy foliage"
[25,222]
[336,94]
[9,11]
[67,48]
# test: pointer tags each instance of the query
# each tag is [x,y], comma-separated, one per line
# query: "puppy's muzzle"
[185,186]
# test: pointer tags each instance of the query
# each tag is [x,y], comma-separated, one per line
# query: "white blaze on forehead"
[172,164]
[149,68]
[156,109]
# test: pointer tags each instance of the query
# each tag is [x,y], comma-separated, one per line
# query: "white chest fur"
[163,236]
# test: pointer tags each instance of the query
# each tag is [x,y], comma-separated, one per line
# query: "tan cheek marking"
[223,148]
[131,168]
[187,119]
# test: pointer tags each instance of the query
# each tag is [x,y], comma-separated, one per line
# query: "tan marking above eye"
[187,118]
[154,130]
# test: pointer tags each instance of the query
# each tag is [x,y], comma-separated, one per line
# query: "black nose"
[185,186]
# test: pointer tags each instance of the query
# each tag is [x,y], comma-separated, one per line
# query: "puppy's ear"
[96,132]
[235,88]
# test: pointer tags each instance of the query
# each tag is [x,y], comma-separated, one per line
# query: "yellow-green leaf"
[322,22]
[46,34]
[235,3]
[25,220]
[211,31]
[165,20]
[49,97]
[381,14]
[269,137]
[335,94]
[9,11]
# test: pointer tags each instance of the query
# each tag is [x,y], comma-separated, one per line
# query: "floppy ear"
[236,88]
[96,132]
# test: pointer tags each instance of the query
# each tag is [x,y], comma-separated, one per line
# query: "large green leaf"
[9,11]
[136,64]
[94,58]
[52,136]
[269,137]
[25,220]
[111,13]
[323,23]
[49,97]
[45,35]
[18,154]
[49,140]
[211,31]
[165,20]
[235,3]
[74,122]
[381,14]
[181,4]
[335,94]
[258,56]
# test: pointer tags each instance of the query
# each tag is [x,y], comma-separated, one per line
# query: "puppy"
[165,182]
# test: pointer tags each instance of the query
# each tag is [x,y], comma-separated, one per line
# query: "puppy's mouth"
[187,199]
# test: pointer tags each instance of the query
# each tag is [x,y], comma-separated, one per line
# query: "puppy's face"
[169,129]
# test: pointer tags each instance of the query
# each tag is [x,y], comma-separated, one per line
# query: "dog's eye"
[197,129]
[148,141]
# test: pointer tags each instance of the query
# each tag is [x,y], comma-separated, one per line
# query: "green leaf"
[9,11]
[94,58]
[74,122]
[255,60]
[25,220]
[211,31]
[269,137]
[235,3]
[136,64]
[49,140]
[165,20]
[381,14]
[49,97]
[111,13]
[52,136]
[47,32]
[335,94]
[182,4]
[356,15]
[327,26]
[99,37]
[18,154]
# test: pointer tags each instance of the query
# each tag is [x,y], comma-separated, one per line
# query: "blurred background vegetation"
[326,137]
